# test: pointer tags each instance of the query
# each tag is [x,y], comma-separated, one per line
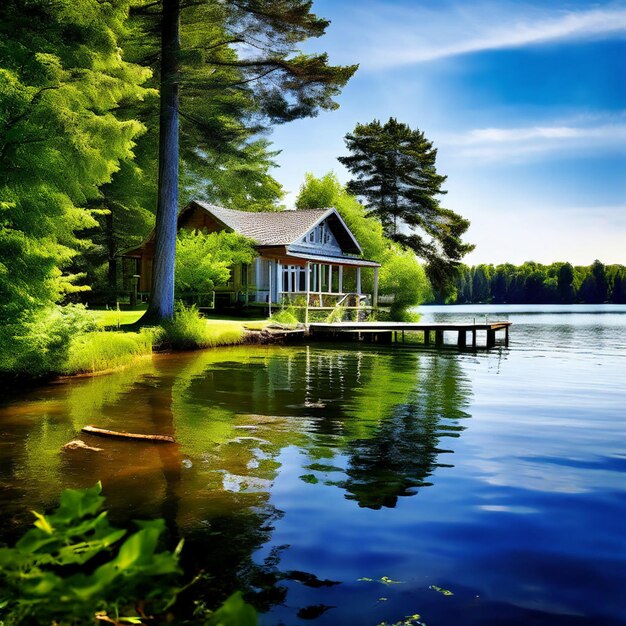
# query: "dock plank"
[378,330]
[408,326]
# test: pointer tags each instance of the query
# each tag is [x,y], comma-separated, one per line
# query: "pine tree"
[394,173]
[238,69]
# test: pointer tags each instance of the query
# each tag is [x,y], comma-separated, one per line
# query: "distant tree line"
[534,283]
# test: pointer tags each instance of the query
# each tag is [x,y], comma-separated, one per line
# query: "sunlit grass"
[188,330]
[94,352]
[223,333]
[255,324]
[112,318]
[110,349]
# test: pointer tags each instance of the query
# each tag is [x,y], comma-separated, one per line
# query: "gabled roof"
[268,228]
[279,228]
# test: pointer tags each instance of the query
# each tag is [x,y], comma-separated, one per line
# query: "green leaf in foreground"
[51,576]
[234,612]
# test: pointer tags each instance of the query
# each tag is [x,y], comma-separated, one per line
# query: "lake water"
[360,484]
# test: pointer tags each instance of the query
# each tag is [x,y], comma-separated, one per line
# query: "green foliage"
[74,568]
[402,279]
[62,77]
[534,283]
[67,340]
[188,330]
[228,96]
[234,612]
[52,574]
[204,261]
[286,316]
[336,315]
[99,351]
[394,172]
[41,344]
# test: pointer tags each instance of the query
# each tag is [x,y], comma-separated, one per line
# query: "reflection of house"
[308,255]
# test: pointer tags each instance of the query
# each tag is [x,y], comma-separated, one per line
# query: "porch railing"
[325,300]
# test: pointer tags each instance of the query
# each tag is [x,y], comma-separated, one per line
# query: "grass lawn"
[113,319]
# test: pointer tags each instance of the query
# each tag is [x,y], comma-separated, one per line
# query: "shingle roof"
[279,228]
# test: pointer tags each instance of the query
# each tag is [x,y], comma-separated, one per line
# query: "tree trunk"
[162,297]
[112,258]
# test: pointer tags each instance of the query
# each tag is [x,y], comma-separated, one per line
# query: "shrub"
[285,316]
[336,315]
[73,567]
[41,345]
[188,330]
[93,352]
[205,260]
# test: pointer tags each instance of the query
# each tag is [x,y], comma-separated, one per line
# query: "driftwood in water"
[102,432]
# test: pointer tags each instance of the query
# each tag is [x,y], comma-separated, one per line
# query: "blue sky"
[526,102]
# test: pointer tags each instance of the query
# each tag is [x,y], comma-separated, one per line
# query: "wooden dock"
[387,332]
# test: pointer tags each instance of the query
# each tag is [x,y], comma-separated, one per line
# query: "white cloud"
[532,141]
[387,36]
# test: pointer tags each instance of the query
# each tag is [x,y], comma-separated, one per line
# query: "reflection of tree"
[49,417]
[233,412]
[403,451]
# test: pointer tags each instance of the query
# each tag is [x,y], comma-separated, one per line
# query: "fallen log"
[102,432]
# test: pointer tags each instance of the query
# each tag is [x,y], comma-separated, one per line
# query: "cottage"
[308,257]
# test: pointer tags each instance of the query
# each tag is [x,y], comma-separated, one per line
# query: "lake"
[361,484]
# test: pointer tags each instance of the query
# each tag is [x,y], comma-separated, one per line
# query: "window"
[326,238]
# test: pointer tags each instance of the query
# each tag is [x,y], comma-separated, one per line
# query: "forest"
[534,283]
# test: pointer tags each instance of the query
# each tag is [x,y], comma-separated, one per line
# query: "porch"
[309,281]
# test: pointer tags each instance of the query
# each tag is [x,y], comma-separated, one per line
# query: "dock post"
[491,338]
[474,339]
[439,337]
[308,292]
[427,337]
[506,336]
[403,336]
[462,342]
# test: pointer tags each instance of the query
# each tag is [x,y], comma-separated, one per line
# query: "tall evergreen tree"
[239,70]
[62,79]
[394,173]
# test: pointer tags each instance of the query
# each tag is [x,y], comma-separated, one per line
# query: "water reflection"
[404,448]
[366,422]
